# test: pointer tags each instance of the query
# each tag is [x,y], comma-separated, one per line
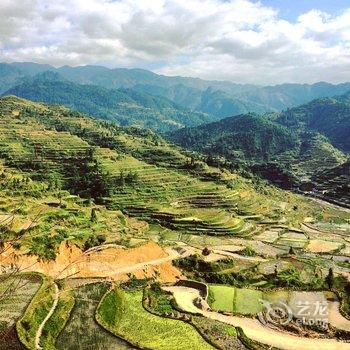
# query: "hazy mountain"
[123,106]
[220,98]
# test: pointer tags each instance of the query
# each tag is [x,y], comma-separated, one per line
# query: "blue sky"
[245,41]
[290,9]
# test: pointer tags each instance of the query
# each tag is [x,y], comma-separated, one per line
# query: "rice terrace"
[199,202]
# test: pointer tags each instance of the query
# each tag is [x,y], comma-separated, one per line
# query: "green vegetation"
[222,297]
[36,312]
[69,179]
[122,313]
[242,137]
[123,106]
[220,335]
[58,320]
[15,294]
[316,116]
[240,301]
[220,98]
[53,154]
[301,148]
[81,330]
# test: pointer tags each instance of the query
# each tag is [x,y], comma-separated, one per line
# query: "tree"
[330,279]
[93,216]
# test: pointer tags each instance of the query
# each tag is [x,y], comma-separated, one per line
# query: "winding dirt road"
[253,328]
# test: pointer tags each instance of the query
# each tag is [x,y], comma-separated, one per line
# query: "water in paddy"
[16,293]
[82,332]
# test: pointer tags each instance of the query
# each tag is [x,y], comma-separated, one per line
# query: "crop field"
[36,312]
[223,297]
[16,294]
[82,331]
[57,321]
[321,246]
[122,313]
[91,200]
[236,300]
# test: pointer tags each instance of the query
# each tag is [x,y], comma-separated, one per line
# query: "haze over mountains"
[123,105]
[218,98]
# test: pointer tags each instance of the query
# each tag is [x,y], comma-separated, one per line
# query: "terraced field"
[240,301]
[82,331]
[122,313]
[15,295]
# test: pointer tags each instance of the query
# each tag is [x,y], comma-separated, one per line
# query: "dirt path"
[336,319]
[253,328]
[239,256]
[42,325]
[172,255]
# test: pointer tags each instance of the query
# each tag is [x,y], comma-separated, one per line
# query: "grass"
[122,313]
[227,205]
[35,313]
[221,334]
[247,301]
[222,297]
[58,320]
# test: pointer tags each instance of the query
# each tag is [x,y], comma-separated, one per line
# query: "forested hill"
[291,148]
[328,116]
[258,137]
[241,137]
[123,106]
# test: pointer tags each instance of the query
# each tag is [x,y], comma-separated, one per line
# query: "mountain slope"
[123,106]
[133,170]
[287,148]
[242,137]
[210,100]
[327,116]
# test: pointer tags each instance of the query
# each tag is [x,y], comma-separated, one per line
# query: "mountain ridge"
[221,98]
[123,106]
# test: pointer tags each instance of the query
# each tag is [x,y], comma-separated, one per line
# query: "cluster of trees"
[249,137]
[87,179]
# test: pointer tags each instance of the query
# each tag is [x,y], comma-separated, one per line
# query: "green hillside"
[250,137]
[131,170]
[287,148]
[108,190]
[123,106]
[328,116]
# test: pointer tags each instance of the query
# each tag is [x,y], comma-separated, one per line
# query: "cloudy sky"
[262,42]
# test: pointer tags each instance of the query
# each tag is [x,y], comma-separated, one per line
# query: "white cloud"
[240,40]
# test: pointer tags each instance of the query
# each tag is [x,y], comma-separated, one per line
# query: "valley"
[114,238]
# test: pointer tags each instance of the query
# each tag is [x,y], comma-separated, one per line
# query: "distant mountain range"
[218,98]
[123,106]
